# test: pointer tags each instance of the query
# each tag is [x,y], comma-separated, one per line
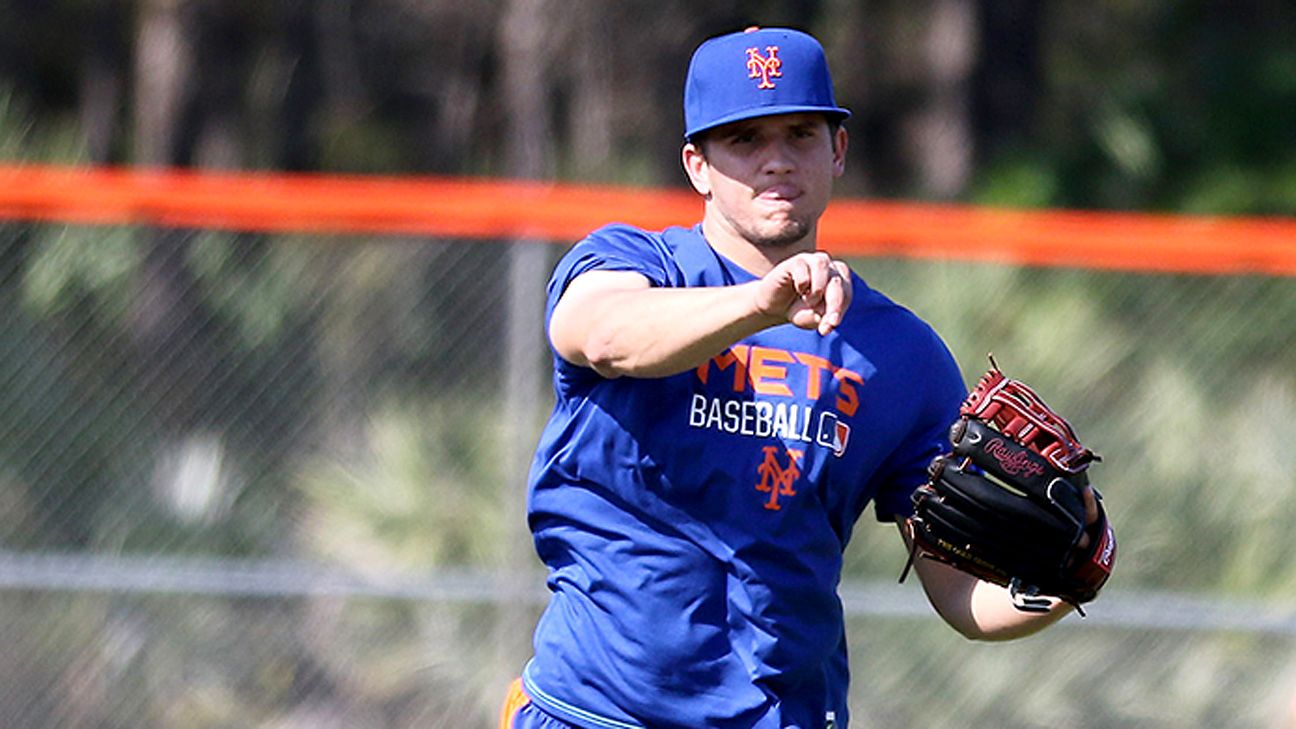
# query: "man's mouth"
[780,193]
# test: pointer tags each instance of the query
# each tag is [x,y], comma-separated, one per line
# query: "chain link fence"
[278,481]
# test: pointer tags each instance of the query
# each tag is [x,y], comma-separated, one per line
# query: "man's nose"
[777,157]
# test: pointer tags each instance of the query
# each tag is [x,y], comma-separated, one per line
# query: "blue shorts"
[520,713]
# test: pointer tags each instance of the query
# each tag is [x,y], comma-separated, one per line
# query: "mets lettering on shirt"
[787,388]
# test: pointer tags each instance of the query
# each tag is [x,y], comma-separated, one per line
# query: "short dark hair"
[834,123]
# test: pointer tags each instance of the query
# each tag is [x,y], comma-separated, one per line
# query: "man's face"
[768,179]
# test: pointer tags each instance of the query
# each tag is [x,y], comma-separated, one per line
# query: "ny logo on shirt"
[775,478]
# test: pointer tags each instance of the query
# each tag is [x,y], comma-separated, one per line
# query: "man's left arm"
[977,609]
[1007,535]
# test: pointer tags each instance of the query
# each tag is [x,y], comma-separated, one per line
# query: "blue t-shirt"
[694,525]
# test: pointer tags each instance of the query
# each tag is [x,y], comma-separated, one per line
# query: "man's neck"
[753,258]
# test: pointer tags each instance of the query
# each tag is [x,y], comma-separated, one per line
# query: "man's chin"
[783,236]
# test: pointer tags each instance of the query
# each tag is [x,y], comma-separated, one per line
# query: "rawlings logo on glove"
[1013,462]
[1011,502]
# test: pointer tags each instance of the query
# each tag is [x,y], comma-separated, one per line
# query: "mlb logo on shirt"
[833,433]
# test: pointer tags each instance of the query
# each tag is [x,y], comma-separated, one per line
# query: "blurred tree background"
[1154,105]
[261,407]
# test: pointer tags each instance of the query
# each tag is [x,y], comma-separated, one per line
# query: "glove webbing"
[1017,412]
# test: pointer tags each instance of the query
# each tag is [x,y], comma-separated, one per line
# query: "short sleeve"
[942,391]
[612,248]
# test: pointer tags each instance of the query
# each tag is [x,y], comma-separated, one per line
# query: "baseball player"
[729,401]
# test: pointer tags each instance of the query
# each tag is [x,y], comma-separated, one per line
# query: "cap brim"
[759,111]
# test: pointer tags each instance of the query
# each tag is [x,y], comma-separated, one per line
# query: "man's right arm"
[618,324]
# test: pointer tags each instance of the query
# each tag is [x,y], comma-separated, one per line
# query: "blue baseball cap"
[756,72]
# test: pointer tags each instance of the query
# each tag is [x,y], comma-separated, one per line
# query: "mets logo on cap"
[757,72]
[764,67]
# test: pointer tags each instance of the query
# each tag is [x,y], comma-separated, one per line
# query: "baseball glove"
[1007,503]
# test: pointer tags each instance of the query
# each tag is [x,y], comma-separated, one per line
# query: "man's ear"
[840,138]
[695,164]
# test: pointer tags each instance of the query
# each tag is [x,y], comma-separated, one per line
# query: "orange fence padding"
[563,213]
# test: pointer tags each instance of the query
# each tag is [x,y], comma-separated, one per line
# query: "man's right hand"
[810,290]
